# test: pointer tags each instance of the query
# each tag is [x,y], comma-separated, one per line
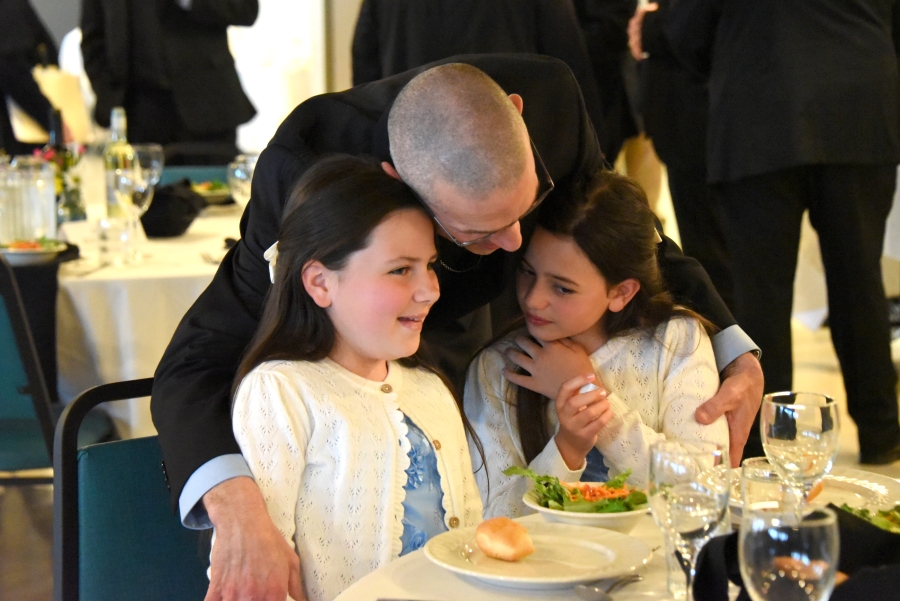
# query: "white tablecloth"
[414,577]
[114,323]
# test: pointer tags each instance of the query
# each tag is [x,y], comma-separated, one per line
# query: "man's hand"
[581,418]
[250,558]
[549,363]
[739,398]
[634,30]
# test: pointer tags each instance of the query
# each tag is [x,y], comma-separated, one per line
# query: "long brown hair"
[329,216]
[609,218]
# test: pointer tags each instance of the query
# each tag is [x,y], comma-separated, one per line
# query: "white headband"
[271,255]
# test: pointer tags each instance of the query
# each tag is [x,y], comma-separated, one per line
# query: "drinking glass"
[240,175]
[800,438]
[689,487]
[762,488]
[131,190]
[150,159]
[785,559]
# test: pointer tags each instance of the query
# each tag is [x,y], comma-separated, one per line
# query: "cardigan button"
[386,388]
[454,522]
[436,444]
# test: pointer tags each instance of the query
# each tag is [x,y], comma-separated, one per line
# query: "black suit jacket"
[191,403]
[792,83]
[194,49]
[674,98]
[393,36]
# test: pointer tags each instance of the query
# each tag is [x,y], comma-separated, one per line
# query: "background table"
[413,576]
[114,323]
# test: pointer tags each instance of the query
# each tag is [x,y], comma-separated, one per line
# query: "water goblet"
[689,488]
[800,438]
[783,558]
[150,159]
[131,187]
[240,175]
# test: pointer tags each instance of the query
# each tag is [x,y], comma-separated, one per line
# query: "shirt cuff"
[210,474]
[731,343]
[184,4]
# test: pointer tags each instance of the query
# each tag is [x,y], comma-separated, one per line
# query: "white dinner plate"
[564,556]
[856,488]
[32,256]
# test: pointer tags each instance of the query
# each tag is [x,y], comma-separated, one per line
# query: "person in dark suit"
[450,141]
[675,107]
[24,43]
[167,63]
[393,36]
[604,23]
[804,114]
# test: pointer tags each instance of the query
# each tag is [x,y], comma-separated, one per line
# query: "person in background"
[465,134]
[804,114]
[24,43]
[168,64]
[589,283]
[393,36]
[331,382]
[675,106]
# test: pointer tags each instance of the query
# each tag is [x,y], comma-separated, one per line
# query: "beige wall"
[341,18]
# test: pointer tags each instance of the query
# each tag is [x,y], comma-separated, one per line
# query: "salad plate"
[857,488]
[565,555]
[42,252]
[622,521]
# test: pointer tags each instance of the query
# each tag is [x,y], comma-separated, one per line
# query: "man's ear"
[389,169]
[517,102]
[318,283]
[622,293]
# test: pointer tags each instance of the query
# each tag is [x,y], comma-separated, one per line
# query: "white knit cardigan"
[656,381]
[328,450]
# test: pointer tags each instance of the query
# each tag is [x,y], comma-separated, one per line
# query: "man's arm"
[221,13]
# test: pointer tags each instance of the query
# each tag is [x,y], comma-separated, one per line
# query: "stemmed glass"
[783,559]
[134,191]
[689,487]
[240,175]
[800,438]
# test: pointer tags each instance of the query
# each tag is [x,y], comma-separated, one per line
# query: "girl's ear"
[622,293]
[317,282]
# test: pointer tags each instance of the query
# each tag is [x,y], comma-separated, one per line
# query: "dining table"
[115,321]
[414,577]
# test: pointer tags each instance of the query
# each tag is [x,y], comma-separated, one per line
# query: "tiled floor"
[25,514]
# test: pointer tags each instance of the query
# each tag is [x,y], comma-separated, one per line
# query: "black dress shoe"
[881,457]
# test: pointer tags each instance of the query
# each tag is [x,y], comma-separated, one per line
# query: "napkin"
[172,211]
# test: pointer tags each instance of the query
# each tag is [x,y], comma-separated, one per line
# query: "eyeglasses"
[545,187]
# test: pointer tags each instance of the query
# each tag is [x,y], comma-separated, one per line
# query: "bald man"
[482,148]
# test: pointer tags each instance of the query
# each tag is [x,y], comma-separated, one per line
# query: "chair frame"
[37,387]
[65,480]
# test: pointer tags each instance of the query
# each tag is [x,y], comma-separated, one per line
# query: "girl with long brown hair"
[590,281]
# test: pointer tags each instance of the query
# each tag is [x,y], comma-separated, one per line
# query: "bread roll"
[502,538]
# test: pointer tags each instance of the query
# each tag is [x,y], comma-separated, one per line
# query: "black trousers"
[848,206]
[701,227]
[153,117]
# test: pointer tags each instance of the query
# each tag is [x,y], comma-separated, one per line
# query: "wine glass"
[240,175]
[783,558]
[689,487]
[150,159]
[800,438]
[130,186]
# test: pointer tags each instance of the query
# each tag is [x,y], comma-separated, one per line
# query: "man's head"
[460,142]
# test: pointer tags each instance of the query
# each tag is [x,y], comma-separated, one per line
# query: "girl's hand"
[549,363]
[581,418]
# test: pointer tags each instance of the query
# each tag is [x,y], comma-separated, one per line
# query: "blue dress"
[423,512]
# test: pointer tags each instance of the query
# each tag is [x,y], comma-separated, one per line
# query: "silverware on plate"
[595,592]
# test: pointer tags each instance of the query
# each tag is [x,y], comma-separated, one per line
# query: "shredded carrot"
[595,493]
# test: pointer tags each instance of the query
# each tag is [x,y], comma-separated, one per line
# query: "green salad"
[613,496]
[886,519]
